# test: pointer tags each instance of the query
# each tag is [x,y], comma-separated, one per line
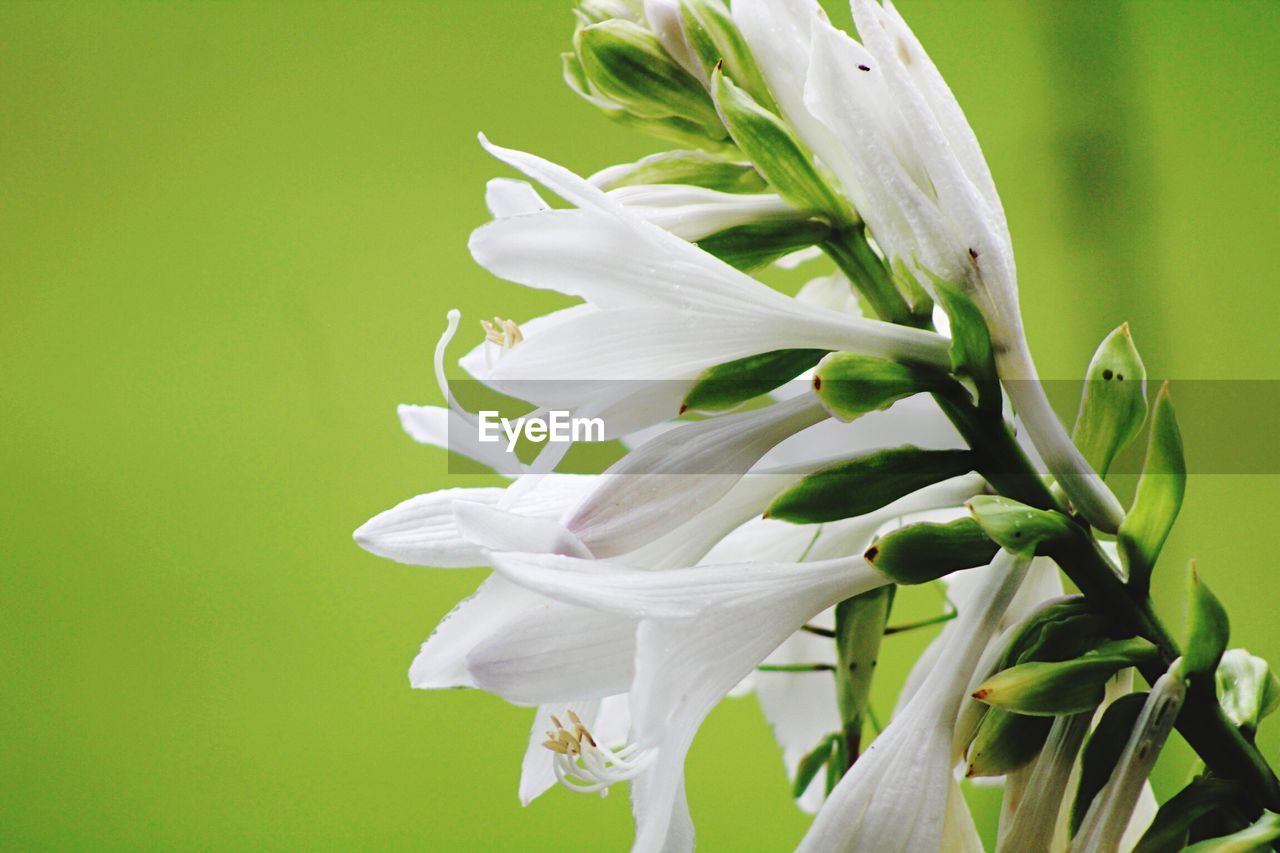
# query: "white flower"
[881,117]
[659,309]
[902,793]
[701,631]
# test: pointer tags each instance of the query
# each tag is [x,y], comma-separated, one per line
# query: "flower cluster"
[792,459]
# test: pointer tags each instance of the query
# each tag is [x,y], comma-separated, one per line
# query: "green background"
[228,236]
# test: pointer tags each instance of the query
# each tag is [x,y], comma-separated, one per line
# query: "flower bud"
[626,64]
[1113,405]
[1247,688]
[694,168]
[867,483]
[919,553]
[749,247]
[733,383]
[1018,527]
[1042,688]
[851,385]
[715,41]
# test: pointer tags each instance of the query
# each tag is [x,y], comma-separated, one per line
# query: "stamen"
[583,765]
[504,333]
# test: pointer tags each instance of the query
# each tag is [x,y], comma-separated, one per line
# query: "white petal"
[505,197]
[693,213]
[442,661]
[500,530]
[422,531]
[445,428]
[555,652]
[657,487]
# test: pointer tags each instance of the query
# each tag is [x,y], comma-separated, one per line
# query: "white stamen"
[583,765]
[454,316]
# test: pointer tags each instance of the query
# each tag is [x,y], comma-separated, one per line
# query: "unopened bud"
[1113,406]
[1247,688]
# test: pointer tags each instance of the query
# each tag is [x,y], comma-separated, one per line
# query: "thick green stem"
[1128,610]
[860,624]
[848,247]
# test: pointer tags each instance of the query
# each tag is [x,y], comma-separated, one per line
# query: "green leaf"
[810,765]
[867,483]
[749,247]
[1256,838]
[1102,751]
[918,553]
[1247,688]
[1158,498]
[1042,688]
[851,385]
[971,354]
[625,63]
[734,382]
[1208,628]
[1006,741]
[1113,406]
[1018,527]
[785,163]
[1204,794]
[715,40]
[693,168]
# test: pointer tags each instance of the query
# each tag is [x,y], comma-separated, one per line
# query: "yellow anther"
[504,333]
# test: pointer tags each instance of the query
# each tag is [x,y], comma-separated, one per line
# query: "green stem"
[1128,610]
[849,248]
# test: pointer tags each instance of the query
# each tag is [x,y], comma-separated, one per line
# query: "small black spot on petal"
[864,67]
[973,253]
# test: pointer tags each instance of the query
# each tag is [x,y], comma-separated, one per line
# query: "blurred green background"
[228,236]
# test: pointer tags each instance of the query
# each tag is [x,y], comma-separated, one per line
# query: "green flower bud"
[1041,688]
[595,11]
[1018,527]
[867,483]
[733,383]
[1006,741]
[1208,628]
[714,39]
[625,63]
[695,168]
[749,247]
[919,553]
[1247,688]
[777,154]
[1113,406]
[851,385]
[1158,498]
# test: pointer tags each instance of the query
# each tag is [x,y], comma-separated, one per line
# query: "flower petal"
[442,661]
[422,531]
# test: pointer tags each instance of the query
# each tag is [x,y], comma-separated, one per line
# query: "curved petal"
[422,531]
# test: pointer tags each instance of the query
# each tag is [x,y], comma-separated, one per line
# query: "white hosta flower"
[661,308]
[881,117]
[701,631]
[902,793]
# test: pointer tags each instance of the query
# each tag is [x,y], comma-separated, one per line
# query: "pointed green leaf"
[851,385]
[1041,688]
[1113,405]
[1208,629]
[1102,751]
[1006,741]
[810,765]
[749,247]
[918,553]
[785,163]
[625,63]
[867,483]
[733,383]
[1016,526]
[694,168]
[1159,495]
[1247,688]
[971,354]
[1204,794]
